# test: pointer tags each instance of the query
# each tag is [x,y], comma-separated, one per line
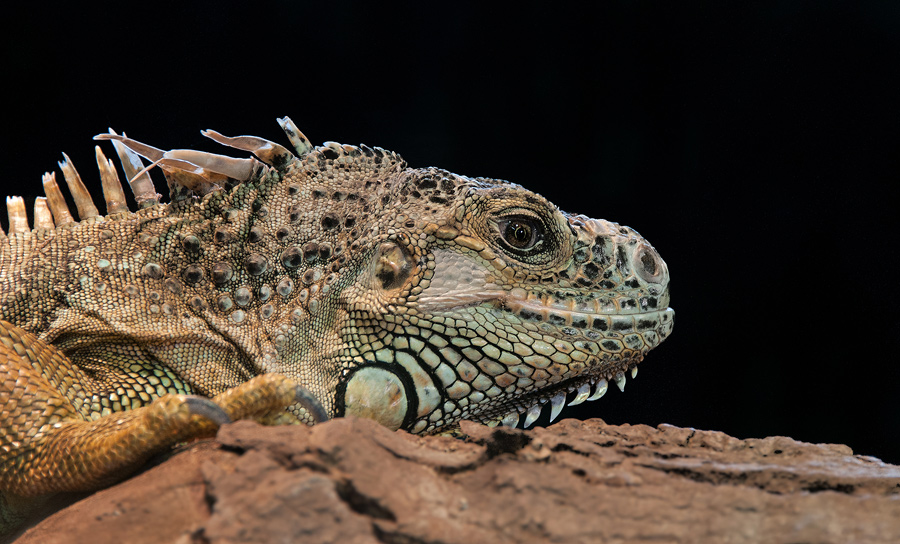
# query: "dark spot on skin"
[385,200]
[222,235]
[224,302]
[293,189]
[530,315]
[609,345]
[579,321]
[257,204]
[325,252]
[310,251]
[555,319]
[338,196]
[283,234]
[255,264]
[318,193]
[427,183]
[221,273]
[591,270]
[437,200]
[295,213]
[606,284]
[191,243]
[173,286]
[329,153]
[350,221]
[633,283]
[264,292]
[621,325]
[153,271]
[646,324]
[330,221]
[621,260]
[285,287]
[242,296]
[255,235]
[292,257]
[447,185]
[600,324]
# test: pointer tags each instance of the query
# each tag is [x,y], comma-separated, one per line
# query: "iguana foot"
[52,440]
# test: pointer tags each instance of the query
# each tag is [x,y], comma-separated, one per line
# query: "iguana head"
[415,297]
[482,300]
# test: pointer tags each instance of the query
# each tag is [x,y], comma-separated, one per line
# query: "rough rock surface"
[352,481]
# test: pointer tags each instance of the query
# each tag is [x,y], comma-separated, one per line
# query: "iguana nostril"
[648,264]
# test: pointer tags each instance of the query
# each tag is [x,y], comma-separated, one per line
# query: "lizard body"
[291,288]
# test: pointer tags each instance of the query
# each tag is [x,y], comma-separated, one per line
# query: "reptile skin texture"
[290,286]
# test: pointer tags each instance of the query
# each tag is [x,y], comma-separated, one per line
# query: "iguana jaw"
[601,369]
[426,372]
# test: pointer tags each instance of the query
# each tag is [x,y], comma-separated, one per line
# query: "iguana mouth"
[601,369]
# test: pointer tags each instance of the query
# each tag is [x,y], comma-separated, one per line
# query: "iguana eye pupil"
[519,234]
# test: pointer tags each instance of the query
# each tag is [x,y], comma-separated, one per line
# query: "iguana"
[292,288]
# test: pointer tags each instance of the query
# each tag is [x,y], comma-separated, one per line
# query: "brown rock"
[352,481]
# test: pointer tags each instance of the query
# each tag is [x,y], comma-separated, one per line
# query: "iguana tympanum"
[293,288]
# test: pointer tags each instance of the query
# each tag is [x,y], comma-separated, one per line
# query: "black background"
[755,147]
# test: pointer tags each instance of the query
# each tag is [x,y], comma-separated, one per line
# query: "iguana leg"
[48,445]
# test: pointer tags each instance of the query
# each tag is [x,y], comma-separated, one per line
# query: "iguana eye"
[520,233]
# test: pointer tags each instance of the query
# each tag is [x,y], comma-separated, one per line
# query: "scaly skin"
[415,297]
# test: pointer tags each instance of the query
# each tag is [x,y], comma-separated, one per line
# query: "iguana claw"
[202,406]
[312,405]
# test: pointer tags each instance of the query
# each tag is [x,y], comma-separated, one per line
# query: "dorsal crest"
[189,173]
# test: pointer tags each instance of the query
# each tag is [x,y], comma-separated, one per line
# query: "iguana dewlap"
[292,288]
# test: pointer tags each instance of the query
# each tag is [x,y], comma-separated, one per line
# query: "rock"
[352,481]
